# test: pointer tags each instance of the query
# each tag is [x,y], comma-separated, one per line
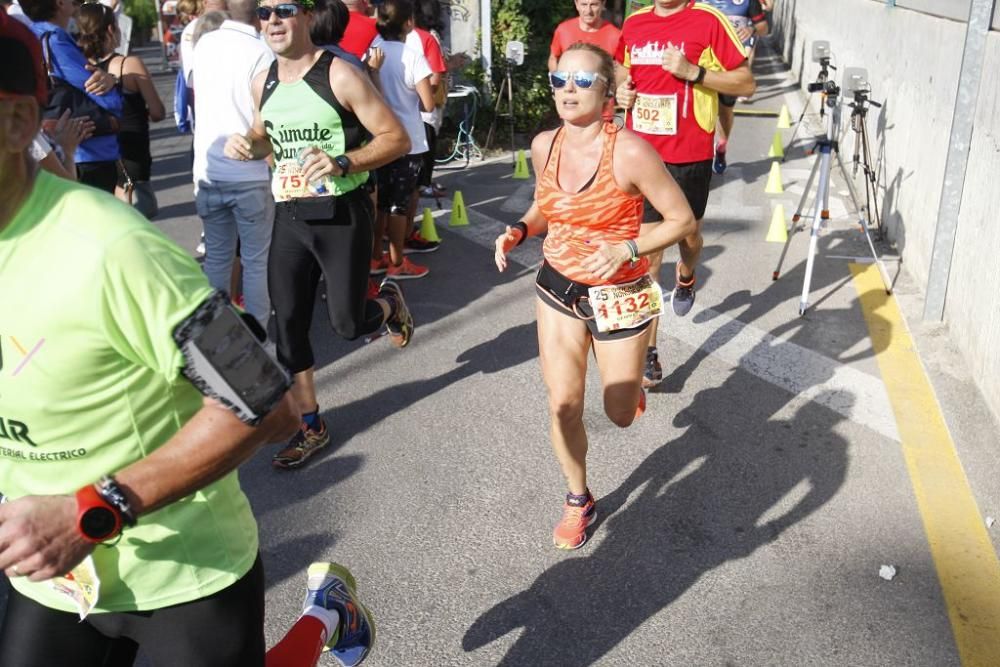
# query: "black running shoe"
[653,375]
[400,324]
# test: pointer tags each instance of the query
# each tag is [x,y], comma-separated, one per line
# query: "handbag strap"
[47,53]
[128,185]
[121,77]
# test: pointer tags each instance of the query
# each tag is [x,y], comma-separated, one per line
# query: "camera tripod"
[827,148]
[863,156]
[507,86]
[818,86]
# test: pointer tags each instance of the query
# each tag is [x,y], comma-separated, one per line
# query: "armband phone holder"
[227,362]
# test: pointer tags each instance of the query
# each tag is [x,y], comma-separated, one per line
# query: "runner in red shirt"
[360,29]
[674,58]
[589,27]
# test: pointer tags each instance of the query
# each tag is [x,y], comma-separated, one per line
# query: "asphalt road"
[743,518]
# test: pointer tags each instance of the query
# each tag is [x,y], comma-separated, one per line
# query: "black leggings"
[340,250]
[427,169]
[222,630]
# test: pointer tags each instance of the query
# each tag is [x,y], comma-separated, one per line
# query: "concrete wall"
[913,59]
[461,19]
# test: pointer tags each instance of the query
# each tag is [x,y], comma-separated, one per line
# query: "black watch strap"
[113,495]
[701,76]
[344,163]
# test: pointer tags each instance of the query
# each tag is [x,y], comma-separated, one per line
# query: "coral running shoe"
[407,270]
[302,446]
[641,408]
[379,266]
[571,531]
[331,586]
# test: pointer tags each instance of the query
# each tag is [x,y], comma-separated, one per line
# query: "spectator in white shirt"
[405,79]
[233,197]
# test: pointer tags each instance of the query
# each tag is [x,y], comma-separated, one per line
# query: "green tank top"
[304,114]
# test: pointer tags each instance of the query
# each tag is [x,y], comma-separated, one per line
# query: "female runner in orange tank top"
[592,177]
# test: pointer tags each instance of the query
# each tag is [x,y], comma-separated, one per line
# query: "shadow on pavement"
[717,493]
[510,348]
[708,497]
[462,272]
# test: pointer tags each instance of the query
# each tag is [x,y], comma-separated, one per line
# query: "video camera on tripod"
[513,57]
[827,151]
[856,85]
[823,84]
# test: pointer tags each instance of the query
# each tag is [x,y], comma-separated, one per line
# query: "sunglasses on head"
[581,79]
[285,10]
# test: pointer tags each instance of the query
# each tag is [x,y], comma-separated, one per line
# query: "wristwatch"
[344,163]
[97,520]
[701,76]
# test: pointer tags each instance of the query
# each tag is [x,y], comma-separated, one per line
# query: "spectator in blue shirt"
[95,157]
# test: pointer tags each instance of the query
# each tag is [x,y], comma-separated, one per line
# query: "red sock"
[301,647]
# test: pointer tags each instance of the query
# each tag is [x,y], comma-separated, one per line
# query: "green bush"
[531,22]
[143,13]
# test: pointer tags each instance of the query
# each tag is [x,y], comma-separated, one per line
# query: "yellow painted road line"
[966,561]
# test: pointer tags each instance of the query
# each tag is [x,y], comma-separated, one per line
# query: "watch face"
[98,523]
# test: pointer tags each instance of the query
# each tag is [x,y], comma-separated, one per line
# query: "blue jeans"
[244,211]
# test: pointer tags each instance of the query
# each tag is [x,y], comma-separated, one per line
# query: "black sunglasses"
[580,79]
[285,10]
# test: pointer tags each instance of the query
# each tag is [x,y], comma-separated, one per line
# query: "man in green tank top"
[326,127]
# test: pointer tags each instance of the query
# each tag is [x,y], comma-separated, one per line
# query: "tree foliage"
[531,22]
[143,13]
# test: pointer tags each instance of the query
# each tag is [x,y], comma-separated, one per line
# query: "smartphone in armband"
[226,361]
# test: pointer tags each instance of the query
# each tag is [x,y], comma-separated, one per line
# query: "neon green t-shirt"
[90,382]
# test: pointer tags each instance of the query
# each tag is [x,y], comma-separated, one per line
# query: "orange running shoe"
[641,408]
[379,266]
[571,531]
[407,270]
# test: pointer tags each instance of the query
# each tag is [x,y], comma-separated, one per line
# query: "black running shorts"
[695,179]
[569,298]
[396,183]
[225,629]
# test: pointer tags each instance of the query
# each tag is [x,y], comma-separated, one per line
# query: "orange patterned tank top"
[579,221]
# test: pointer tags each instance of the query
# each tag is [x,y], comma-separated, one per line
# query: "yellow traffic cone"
[784,118]
[428,231]
[778,231]
[774,184]
[777,147]
[459,217]
[521,166]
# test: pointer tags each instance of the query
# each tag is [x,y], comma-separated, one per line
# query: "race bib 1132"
[626,306]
